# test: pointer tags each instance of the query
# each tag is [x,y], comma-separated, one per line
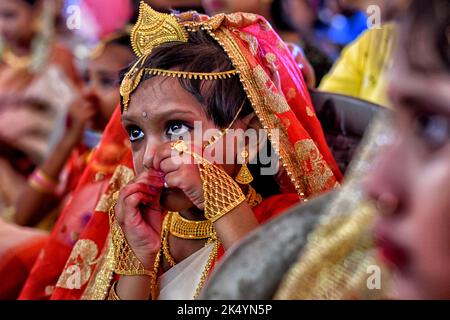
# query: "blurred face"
[101,79]
[411,180]
[229,6]
[16,21]
[301,13]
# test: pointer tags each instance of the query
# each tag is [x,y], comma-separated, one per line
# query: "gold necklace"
[165,240]
[212,257]
[183,228]
[16,62]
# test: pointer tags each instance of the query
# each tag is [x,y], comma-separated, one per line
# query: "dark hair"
[221,99]
[123,40]
[430,19]
[281,18]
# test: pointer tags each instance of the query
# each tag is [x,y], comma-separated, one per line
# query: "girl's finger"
[173,180]
[156,182]
[139,198]
[138,187]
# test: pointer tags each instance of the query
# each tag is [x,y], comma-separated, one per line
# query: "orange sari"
[84,269]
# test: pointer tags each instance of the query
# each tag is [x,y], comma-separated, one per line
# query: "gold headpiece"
[152,30]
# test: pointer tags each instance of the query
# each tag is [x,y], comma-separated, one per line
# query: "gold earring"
[244,175]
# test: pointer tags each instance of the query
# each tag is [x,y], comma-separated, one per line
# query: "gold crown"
[152,30]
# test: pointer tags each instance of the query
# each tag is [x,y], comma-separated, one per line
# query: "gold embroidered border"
[121,177]
[100,282]
[288,160]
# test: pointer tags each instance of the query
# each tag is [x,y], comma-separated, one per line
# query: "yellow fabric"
[360,71]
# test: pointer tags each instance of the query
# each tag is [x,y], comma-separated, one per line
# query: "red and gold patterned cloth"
[77,263]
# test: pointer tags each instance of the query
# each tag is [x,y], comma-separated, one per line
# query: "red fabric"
[16,265]
[78,219]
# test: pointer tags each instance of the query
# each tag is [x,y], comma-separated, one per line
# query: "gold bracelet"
[222,194]
[126,261]
[112,295]
[42,183]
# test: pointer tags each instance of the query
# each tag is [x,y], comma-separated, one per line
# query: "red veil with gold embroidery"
[77,263]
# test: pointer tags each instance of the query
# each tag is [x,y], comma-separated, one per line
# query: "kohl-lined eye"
[433,129]
[177,128]
[135,133]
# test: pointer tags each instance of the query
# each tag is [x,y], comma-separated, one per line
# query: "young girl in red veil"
[161,225]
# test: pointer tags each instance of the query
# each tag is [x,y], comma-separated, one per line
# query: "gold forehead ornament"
[152,30]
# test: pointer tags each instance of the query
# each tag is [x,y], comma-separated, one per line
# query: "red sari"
[84,269]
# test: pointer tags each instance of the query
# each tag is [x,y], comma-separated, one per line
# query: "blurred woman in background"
[58,175]
[37,81]
[410,181]
[53,183]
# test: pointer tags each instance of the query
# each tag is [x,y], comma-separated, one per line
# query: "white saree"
[181,281]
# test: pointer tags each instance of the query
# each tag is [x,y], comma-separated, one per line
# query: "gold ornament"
[152,30]
[212,257]
[165,240]
[191,75]
[16,62]
[221,192]
[186,229]
[126,261]
[244,175]
[223,132]
[253,198]
[129,83]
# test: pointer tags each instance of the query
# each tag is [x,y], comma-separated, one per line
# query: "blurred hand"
[80,113]
[138,213]
[307,70]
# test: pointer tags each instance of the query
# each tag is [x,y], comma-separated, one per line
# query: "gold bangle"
[222,194]
[47,178]
[42,183]
[126,261]
[36,186]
